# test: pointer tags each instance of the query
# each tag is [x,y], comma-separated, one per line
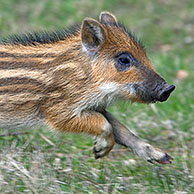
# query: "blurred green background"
[43,161]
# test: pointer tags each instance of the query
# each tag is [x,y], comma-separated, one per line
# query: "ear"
[106,17]
[92,34]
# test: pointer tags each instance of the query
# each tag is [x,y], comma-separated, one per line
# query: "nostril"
[171,88]
[165,93]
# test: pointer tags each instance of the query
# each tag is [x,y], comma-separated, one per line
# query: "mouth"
[154,101]
[145,96]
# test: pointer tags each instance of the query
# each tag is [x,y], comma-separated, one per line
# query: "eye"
[123,61]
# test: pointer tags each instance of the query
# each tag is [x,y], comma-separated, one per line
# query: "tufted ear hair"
[92,34]
[106,17]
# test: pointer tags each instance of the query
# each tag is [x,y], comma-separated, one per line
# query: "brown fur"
[68,83]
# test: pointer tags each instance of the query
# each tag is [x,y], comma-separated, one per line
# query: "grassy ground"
[43,162]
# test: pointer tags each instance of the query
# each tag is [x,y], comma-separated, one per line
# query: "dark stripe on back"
[40,89]
[24,65]
[16,55]
[18,81]
[21,90]
[44,37]
[15,85]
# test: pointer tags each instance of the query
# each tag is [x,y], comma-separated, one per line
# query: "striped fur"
[65,80]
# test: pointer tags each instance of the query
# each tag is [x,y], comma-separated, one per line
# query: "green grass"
[44,162]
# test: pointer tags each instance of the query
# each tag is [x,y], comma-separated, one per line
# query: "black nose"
[165,93]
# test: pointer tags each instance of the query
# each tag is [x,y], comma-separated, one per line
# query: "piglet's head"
[119,63]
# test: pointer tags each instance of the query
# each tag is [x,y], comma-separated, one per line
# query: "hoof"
[165,160]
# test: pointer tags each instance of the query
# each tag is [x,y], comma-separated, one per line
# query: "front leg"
[90,122]
[126,138]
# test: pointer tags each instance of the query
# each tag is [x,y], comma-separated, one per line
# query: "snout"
[165,92]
